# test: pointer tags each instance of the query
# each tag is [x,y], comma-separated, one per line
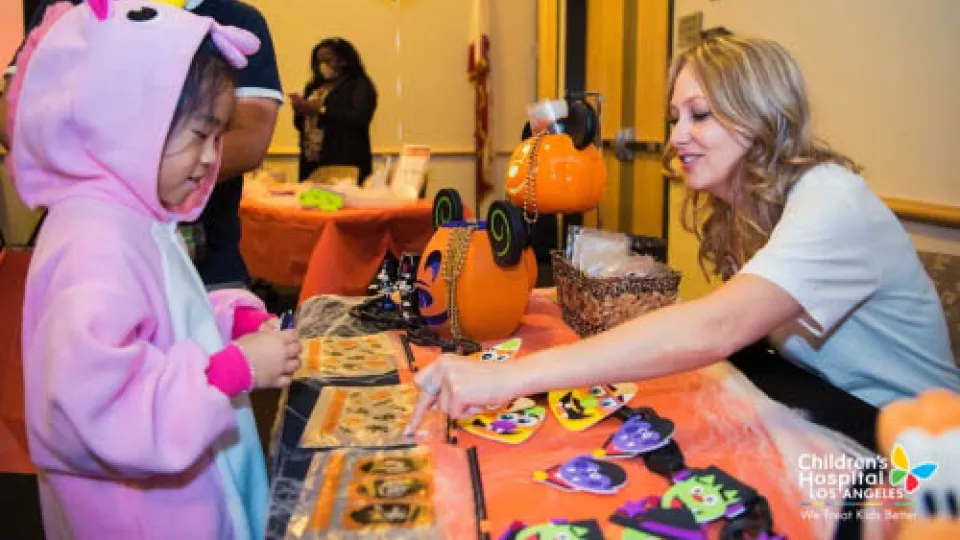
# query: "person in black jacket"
[334,113]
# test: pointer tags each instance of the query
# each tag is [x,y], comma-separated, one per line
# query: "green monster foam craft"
[709,493]
[557,529]
[645,520]
[321,199]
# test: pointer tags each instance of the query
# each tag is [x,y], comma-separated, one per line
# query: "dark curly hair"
[350,63]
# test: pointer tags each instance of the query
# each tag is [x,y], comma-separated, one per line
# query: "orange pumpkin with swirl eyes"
[493,282]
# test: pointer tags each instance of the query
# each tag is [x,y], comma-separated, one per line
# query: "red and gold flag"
[478,70]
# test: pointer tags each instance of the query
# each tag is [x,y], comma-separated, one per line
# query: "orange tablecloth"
[720,420]
[13,435]
[327,252]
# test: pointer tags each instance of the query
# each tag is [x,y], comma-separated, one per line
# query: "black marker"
[286,320]
[478,498]
[411,363]
[451,425]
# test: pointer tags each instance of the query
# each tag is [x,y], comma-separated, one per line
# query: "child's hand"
[273,323]
[274,356]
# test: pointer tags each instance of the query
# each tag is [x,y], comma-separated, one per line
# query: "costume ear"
[235,44]
[100,8]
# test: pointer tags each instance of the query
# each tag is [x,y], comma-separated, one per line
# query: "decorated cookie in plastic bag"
[394,487]
[391,464]
[360,416]
[376,515]
[584,473]
[336,357]
[581,408]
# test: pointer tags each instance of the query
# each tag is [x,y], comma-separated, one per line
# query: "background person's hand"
[461,388]
[304,107]
[274,355]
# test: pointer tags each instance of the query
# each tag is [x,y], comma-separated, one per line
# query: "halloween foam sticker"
[367,417]
[709,493]
[501,352]
[638,435]
[557,529]
[584,473]
[512,424]
[581,408]
[646,520]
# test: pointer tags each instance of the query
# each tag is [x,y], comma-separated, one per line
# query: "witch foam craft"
[641,432]
[587,529]
[709,494]
[584,473]
[645,519]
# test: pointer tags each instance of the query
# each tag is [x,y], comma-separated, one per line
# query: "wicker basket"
[592,305]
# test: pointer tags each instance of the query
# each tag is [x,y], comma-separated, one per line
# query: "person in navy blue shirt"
[245,143]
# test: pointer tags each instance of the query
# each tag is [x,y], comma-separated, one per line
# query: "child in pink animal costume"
[136,399]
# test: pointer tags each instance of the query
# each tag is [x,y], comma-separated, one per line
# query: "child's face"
[191,150]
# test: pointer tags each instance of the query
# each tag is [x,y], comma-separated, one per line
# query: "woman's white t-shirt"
[873,323]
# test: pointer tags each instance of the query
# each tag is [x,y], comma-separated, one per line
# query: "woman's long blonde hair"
[753,87]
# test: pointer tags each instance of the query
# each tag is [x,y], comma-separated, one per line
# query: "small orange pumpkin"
[490,299]
[565,179]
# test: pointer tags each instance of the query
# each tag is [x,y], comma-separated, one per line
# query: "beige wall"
[882,81]
[434,104]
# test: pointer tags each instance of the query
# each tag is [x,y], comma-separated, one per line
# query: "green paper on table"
[321,199]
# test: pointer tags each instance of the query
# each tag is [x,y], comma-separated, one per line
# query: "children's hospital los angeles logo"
[844,487]
[905,475]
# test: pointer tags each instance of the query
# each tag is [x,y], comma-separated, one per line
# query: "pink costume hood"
[90,119]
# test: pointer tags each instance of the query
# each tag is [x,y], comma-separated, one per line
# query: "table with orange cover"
[327,252]
[721,419]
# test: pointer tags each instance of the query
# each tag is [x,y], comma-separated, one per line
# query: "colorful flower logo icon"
[903,473]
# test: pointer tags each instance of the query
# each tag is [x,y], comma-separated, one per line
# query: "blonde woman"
[811,258]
